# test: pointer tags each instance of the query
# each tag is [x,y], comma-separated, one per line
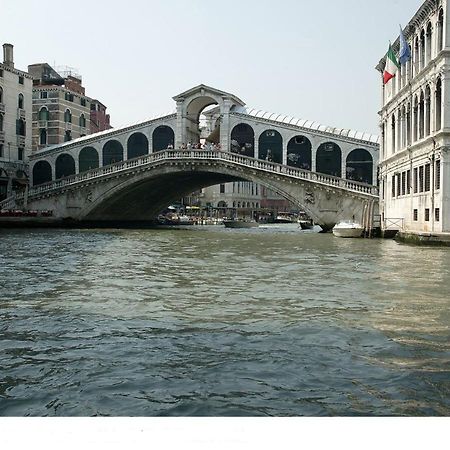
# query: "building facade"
[99,119]
[15,124]
[61,110]
[414,169]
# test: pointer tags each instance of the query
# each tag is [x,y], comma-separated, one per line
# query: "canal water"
[206,321]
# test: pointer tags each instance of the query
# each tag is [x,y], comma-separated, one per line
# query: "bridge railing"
[205,155]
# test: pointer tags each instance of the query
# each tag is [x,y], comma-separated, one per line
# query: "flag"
[405,52]
[391,67]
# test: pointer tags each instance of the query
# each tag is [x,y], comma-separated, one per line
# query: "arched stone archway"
[64,166]
[299,152]
[137,145]
[270,146]
[329,159]
[112,152]
[88,159]
[163,136]
[359,166]
[243,140]
[42,173]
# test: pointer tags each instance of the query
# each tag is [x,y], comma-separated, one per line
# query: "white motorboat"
[348,229]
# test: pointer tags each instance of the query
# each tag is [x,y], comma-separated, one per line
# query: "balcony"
[2,137]
[42,123]
[20,113]
[21,141]
[68,126]
[2,107]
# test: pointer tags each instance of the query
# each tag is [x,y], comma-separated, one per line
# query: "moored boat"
[306,224]
[240,223]
[348,229]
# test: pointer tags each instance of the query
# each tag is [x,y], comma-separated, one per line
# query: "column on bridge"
[225,125]
[180,131]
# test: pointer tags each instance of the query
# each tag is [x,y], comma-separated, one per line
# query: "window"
[1,72]
[415,215]
[20,154]
[20,127]
[1,95]
[416,183]
[69,97]
[82,121]
[20,80]
[421,179]
[398,185]
[1,150]
[403,183]
[437,174]
[67,116]
[83,101]
[427,214]
[20,101]
[408,182]
[436,214]
[1,122]
[393,186]
[438,105]
[222,189]
[427,177]
[44,114]
[67,136]
[43,94]
[43,136]
[440,27]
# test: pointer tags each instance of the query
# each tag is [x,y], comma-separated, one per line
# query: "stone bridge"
[138,189]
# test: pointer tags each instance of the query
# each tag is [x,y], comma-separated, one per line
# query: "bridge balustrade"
[206,155]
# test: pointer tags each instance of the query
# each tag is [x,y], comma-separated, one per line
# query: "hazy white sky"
[308,59]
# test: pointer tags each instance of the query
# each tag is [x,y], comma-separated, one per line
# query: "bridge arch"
[270,146]
[42,172]
[299,152]
[243,140]
[137,145]
[64,166]
[163,136]
[359,166]
[88,159]
[329,159]
[112,152]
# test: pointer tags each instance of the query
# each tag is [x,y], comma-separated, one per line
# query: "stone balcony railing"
[21,113]
[2,108]
[196,155]
[2,137]
[21,141]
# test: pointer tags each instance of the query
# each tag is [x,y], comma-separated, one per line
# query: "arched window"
[299,152]
[422,49]
[429,37]
[137,145]
[1,122]
[329,159]
[415,119]
[112,152]
[243,140]
[427,111]
[408,124]
[44,114]
[438,96]
[20,127]
[359,166]
[421,115]
[64,166]
[440,31]
[1,95]
[163,137]
[393,134]
[42,173]
[403,114]
[42,136]
[82,121]
[271,146]
[416,56]
[88,159]
[20,101]
[67,116]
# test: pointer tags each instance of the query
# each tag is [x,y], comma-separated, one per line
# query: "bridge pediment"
[207,91]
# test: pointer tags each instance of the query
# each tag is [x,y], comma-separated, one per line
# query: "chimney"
[8,56]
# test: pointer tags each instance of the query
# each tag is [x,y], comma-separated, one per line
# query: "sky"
[307,59]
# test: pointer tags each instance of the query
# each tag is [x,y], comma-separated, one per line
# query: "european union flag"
[405,52]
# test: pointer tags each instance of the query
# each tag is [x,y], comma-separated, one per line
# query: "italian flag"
[391,65]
